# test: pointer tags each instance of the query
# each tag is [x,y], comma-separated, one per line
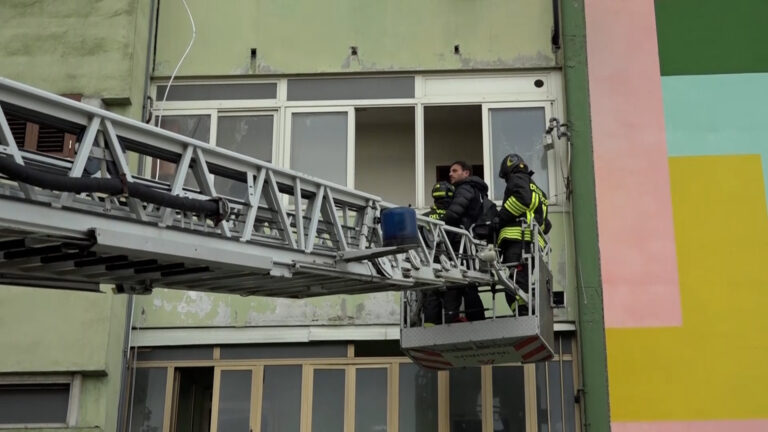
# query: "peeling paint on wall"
[166,308]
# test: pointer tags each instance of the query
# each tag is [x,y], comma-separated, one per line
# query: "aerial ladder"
[229,223]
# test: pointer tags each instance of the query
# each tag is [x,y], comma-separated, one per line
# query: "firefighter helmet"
[512,163]
[442,190]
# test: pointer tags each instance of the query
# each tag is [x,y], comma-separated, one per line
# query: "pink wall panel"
[637,243]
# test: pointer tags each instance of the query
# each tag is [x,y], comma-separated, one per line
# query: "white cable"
[173,75]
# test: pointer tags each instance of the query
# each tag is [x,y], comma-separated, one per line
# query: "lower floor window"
[30,400]
[354,394]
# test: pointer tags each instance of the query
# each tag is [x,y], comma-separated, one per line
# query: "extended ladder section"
[525,333]
[224,223]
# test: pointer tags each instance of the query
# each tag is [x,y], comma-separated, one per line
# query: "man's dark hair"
[464,166]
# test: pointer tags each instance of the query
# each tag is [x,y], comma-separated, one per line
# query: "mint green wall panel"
[717,115]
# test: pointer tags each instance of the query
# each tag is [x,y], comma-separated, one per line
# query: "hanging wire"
[184,56]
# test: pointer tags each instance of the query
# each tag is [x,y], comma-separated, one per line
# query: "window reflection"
[418,399]
[466,406]
[508,399]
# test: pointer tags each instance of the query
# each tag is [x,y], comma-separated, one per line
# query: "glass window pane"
[521,131]
[350,88]
[175,353]
[319,145]
[541,397]
[328,400]
[240,91]
[569,405]
[371,400]
[567,342]
[508,399]
[249,136]
[466,402]
[34,403]
[281,400]
[235,401]
[418,399]
[284,351]
[148,399]
[191,126]
[555,395]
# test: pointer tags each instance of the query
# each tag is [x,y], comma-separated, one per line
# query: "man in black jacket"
[523,202]
[465,209]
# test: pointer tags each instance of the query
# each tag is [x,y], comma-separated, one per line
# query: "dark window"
[41,137]
[34,403]
[378,348]
[193,400]
[240,91]
[350,88]
[175,353]
[275,351]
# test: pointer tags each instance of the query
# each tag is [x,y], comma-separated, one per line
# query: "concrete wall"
[307,36]
[683,304]
[96,48]
[54,331]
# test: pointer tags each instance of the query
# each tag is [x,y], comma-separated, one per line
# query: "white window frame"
[486,89]
[350,111]
[75,384]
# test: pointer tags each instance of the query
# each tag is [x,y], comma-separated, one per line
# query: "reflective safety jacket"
[523,202]
[435,213]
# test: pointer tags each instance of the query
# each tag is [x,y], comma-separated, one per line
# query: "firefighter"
[523,202]
[442,195]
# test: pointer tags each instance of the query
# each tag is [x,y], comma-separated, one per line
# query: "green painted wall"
[307,36]
[92,47]
[53,330]
[590,296]
[64,331]
[711,36]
